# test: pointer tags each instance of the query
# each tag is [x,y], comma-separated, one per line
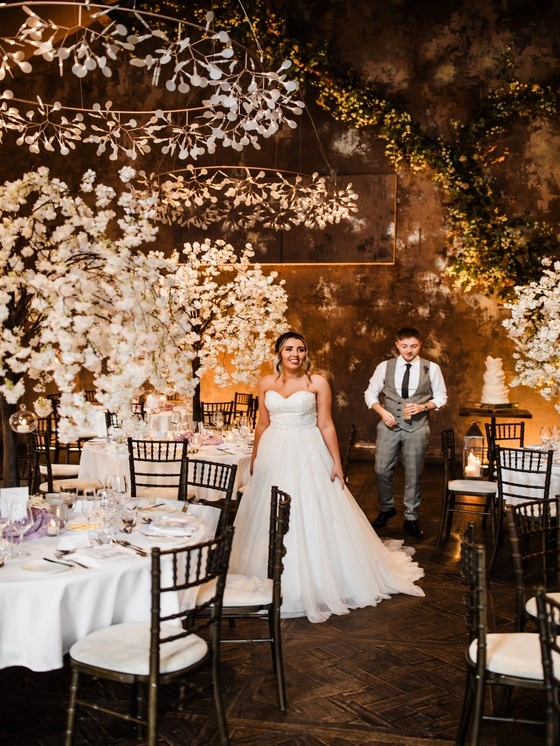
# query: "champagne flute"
[21,519]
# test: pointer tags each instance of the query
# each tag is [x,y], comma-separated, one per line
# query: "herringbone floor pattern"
[386,676]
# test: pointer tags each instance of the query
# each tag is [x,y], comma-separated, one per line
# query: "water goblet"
[20,520]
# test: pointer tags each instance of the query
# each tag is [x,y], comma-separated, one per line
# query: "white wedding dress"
[334,560]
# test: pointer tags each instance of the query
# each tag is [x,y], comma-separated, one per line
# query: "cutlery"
[66,564]
[138,550]
[152,507]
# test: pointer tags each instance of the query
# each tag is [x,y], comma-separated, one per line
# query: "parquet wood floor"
[386,676]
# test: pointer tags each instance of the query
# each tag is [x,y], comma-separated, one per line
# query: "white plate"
[42,566]
[173,524]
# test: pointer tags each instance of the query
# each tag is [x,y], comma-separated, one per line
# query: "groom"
[403,391]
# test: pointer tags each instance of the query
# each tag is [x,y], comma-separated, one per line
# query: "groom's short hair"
[408,331]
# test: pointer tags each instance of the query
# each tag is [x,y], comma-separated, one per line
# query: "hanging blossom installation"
[243,198]
[234,101]
[534,327]
[77,292]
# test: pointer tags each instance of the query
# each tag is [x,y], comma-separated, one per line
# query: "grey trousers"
[412,445]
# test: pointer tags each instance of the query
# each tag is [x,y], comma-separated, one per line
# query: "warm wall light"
[233,102]
[244,197]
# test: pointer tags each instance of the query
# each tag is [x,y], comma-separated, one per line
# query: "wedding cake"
[494,390]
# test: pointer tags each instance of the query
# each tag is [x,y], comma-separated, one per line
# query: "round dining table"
[101,457]
[45,607]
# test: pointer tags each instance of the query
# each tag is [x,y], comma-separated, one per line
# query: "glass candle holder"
[53,526]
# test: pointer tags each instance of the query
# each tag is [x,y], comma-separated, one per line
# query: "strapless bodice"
[295,412]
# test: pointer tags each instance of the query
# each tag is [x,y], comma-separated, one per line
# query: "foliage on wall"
[488,250]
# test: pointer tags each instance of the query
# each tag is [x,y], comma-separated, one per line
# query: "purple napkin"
[213,440]
[39,527]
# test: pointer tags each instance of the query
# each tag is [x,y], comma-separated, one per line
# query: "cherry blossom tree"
[534,327]
[78,292]
[236,311]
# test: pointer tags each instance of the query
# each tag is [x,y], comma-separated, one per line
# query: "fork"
[138,550]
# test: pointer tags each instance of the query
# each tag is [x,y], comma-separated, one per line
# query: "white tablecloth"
[43,613]
[532,482]
[100,458]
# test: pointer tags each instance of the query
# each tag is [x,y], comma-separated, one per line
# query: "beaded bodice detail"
[295,412]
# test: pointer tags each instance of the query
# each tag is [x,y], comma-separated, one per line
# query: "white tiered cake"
[494,390]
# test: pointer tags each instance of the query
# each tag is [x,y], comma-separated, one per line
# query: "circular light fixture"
[233,101]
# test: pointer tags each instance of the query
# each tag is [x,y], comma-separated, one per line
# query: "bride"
[334,559]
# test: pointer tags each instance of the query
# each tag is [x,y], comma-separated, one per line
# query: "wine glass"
[195,442]
[5,551]
[4,520]
[117,483]
[545,435]
[218,420]
[20,520]
[244,428]
[129,515]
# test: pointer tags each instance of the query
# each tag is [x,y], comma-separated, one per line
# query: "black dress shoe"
[383,518]
[413,529]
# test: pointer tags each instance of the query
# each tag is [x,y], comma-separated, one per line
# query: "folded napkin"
[105,554]
[39,527]
[213,440]
[73,541]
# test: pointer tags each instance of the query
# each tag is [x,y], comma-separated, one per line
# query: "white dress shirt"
[377,381]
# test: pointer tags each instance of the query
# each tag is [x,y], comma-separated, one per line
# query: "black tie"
[405,380]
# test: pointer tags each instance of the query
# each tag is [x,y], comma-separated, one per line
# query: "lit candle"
[473,467]
[23,428]
[53,527]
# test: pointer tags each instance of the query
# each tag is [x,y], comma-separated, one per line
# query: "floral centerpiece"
[534,326]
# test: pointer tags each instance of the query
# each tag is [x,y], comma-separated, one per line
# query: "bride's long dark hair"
[279,346]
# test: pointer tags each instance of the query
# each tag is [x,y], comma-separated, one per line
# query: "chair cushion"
[531,605]
[472,486]
[512,654]
[241,590]
[171,493]
[71,484]
[125,648]
[61,470]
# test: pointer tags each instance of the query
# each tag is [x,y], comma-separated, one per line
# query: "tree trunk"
[197,409]
[10,476]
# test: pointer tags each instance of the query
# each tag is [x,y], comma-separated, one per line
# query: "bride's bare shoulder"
[318,380]
[267,382]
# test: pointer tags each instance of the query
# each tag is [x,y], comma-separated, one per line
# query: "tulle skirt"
[334,561]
